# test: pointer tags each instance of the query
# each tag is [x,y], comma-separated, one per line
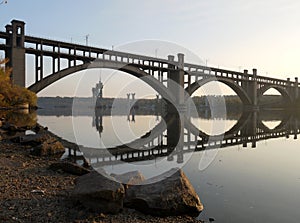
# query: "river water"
[254,177]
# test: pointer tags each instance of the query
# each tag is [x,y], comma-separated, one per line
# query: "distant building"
[97,94]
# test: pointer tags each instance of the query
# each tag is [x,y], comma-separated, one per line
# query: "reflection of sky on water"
[251,185]
[115,129]
[240,185]
[271,124]
[127,131]
[213,127]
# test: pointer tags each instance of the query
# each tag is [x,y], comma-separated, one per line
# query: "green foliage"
[13,95]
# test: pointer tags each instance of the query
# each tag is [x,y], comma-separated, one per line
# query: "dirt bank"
[31,192]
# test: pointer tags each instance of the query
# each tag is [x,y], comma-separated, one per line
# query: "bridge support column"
[16,51]
[245,81]
[176,79]
[251,89]
[175,86]
[289,87]
[296,91]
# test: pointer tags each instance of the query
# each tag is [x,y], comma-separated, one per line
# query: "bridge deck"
[72,51]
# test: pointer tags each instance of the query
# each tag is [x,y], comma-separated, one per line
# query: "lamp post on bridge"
[87,39]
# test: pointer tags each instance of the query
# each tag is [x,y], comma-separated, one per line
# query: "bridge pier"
[245,83]
[250,86]
[296,91]
[176,79]
[16,51]
[176,88]
[293,89]
[290,88]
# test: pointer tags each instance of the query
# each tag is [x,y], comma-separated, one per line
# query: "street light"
[87,39]
[3,2]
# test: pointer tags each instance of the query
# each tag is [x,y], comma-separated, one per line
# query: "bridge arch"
[282,90]
[230,83]
[127,68]
[240,124]
[284,122]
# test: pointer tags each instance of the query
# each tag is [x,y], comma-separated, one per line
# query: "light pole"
[87,39]
[3,2]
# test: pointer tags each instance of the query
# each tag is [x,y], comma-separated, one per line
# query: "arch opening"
[223,86]
[132,70]
[273,97]
[127,107]
[211,96]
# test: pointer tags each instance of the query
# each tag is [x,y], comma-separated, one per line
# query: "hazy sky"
[234,34]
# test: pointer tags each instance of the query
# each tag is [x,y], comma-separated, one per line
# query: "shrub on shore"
[13,95]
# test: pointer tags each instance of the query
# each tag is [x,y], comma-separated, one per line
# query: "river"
[254,177]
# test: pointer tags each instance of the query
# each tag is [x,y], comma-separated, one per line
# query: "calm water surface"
[241,184]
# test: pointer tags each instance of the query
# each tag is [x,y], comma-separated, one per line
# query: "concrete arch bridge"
[173,79]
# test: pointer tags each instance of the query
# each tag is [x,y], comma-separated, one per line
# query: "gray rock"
[99,193]
[168,194]
[9,127]
[69,167]
[35,139]
[48,148]
[130,178]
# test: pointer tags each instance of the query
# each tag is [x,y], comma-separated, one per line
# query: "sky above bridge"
[231,34]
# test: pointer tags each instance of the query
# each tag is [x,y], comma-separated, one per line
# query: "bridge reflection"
[175,136]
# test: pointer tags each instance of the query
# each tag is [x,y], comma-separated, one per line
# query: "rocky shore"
[31,191]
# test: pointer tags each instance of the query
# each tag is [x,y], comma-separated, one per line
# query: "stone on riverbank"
[69,167]
[99,193]
[130,178]
[34,139]
[48,148]
[168,194]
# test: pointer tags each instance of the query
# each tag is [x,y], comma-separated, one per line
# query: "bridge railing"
[81,51]
[72,51]
[235,75]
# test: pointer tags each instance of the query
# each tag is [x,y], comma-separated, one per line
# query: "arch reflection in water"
[150,148]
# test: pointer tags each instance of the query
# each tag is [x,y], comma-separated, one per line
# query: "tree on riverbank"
[10,94]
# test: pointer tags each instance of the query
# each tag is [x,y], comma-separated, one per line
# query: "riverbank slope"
[31,192]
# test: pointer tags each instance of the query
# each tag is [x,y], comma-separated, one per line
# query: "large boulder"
[165,195]
[99,192]
[130,178]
